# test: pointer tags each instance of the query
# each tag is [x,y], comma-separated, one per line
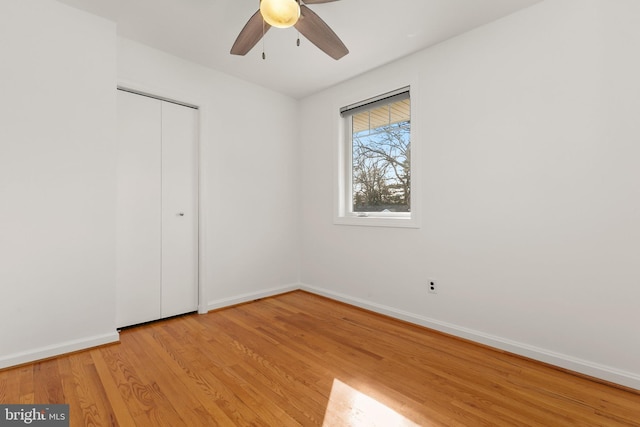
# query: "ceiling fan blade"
[317,1]
[318,32]
[250,35]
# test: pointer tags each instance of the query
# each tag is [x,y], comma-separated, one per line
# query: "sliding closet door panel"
[179,209]
[138,238]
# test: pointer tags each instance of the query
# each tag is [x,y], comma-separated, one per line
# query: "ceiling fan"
[288,13]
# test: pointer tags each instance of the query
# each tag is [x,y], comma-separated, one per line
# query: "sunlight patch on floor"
[349,407]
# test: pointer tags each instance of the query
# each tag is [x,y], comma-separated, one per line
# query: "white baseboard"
[607,373]
[242,298]
[57,349]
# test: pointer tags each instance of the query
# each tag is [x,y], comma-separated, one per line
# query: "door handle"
[180,213]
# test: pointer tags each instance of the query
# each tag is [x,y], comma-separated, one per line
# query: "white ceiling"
[375,31]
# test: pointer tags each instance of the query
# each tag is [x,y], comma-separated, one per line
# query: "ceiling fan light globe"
[280,13]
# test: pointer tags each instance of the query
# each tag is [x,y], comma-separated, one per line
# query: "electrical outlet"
[432,286]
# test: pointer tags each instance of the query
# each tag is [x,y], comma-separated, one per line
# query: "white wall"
[57,180]
[249,153]
[530,196]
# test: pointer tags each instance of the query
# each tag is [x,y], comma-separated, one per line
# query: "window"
[377,167]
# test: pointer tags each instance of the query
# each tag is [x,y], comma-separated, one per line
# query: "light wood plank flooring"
[299,359]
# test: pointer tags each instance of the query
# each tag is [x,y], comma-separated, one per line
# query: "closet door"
[179,209]
[138,238]
[157,210]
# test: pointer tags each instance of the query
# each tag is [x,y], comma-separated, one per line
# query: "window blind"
[368,104]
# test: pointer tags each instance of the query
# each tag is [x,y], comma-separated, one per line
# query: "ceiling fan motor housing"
[280,13]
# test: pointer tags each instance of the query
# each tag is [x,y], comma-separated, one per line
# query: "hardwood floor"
[299,359]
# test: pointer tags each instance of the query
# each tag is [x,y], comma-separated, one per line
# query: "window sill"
[377,221]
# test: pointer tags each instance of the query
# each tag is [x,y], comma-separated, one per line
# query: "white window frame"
[343,214]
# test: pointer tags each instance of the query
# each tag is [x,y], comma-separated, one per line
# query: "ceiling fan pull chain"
[298,41]
[264,55]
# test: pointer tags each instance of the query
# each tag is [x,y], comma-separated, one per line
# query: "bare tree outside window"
[381,159]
